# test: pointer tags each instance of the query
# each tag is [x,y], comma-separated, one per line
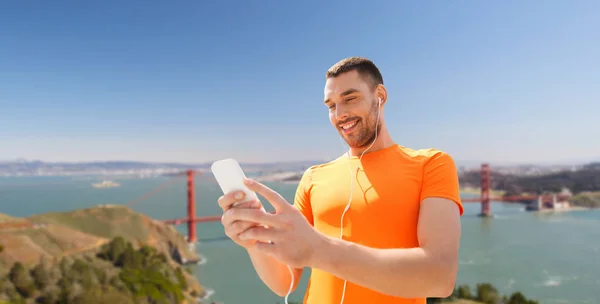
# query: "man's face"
[353,109]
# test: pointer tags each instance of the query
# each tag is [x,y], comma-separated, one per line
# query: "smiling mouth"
[349,126]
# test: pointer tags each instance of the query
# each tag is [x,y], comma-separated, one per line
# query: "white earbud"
[379,102]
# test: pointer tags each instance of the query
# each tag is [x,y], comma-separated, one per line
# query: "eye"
[349,98]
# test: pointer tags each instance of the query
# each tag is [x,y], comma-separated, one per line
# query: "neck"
[384,140]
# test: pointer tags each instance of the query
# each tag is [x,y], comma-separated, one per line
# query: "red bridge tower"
[485,190]
[191,207]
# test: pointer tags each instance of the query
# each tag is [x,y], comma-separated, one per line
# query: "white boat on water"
[106,184]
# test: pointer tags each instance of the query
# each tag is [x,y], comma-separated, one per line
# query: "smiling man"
[380,224]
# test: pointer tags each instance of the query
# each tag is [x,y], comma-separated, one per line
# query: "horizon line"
[500,163]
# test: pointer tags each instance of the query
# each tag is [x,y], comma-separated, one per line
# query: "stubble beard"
[367,132]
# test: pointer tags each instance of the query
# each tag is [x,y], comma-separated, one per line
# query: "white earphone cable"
[291,285]
[352,188]
[345,209]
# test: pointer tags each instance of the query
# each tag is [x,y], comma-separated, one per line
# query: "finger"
[261,234]
[272,196]
[247,205]
[269,249]
[237,227]
[254,215]
[229,217]
[230,222]
[230,198]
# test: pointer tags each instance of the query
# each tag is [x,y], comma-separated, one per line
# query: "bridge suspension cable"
[154,191]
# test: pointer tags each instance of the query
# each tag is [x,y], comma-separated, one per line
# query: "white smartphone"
[230,177]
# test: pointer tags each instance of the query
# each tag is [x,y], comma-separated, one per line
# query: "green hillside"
[586,199]
[116,273]
[109,221]
[5,218]
[108,253]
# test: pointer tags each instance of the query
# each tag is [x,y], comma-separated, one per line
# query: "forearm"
[273,273]
[406,273]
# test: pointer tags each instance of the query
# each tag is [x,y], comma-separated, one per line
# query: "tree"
[464,292]
[519,298]
[113,250]
[129,258]
[41,274]
[50,295]
[181,279]
[487,293]
[64,265]
[21,280]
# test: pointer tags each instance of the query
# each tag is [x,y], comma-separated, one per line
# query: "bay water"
[551,257]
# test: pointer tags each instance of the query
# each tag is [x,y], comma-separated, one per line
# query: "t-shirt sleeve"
[440,179]
[302,197]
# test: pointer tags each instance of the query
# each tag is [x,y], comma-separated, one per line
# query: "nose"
[340,113]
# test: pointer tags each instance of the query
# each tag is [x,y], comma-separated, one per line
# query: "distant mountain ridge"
[34,168]
[37,167]
[141,164]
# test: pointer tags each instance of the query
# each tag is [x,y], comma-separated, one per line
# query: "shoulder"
[308,180]
[440,177]
[323,170]
[425,155]
[327,166]
[426,158]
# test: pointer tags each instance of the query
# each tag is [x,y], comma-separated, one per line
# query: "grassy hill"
[109,221]
[58,234]
[5,218]
[28,243]
[586,199]
[83,237]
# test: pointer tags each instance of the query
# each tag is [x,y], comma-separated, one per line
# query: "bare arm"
[273,273]
[426,271]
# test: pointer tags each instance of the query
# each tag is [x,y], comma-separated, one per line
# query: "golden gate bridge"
[485,200]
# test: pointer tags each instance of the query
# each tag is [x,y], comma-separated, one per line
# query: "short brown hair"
[365,68]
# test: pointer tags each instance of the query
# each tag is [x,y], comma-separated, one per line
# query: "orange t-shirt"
[388,187]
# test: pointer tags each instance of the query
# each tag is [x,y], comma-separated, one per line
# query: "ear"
[381,93]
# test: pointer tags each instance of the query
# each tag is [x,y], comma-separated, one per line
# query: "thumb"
[269,194]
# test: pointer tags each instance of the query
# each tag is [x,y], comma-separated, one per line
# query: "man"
[401,210]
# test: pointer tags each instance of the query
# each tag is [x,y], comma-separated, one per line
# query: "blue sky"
[195,81]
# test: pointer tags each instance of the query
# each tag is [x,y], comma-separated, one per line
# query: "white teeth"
[350,125]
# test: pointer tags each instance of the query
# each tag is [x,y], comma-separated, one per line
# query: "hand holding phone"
[230,177]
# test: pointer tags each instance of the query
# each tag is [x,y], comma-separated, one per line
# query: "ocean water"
[549,257]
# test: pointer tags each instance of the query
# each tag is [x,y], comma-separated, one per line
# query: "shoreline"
[280,177]
[565,209]
[469,190]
